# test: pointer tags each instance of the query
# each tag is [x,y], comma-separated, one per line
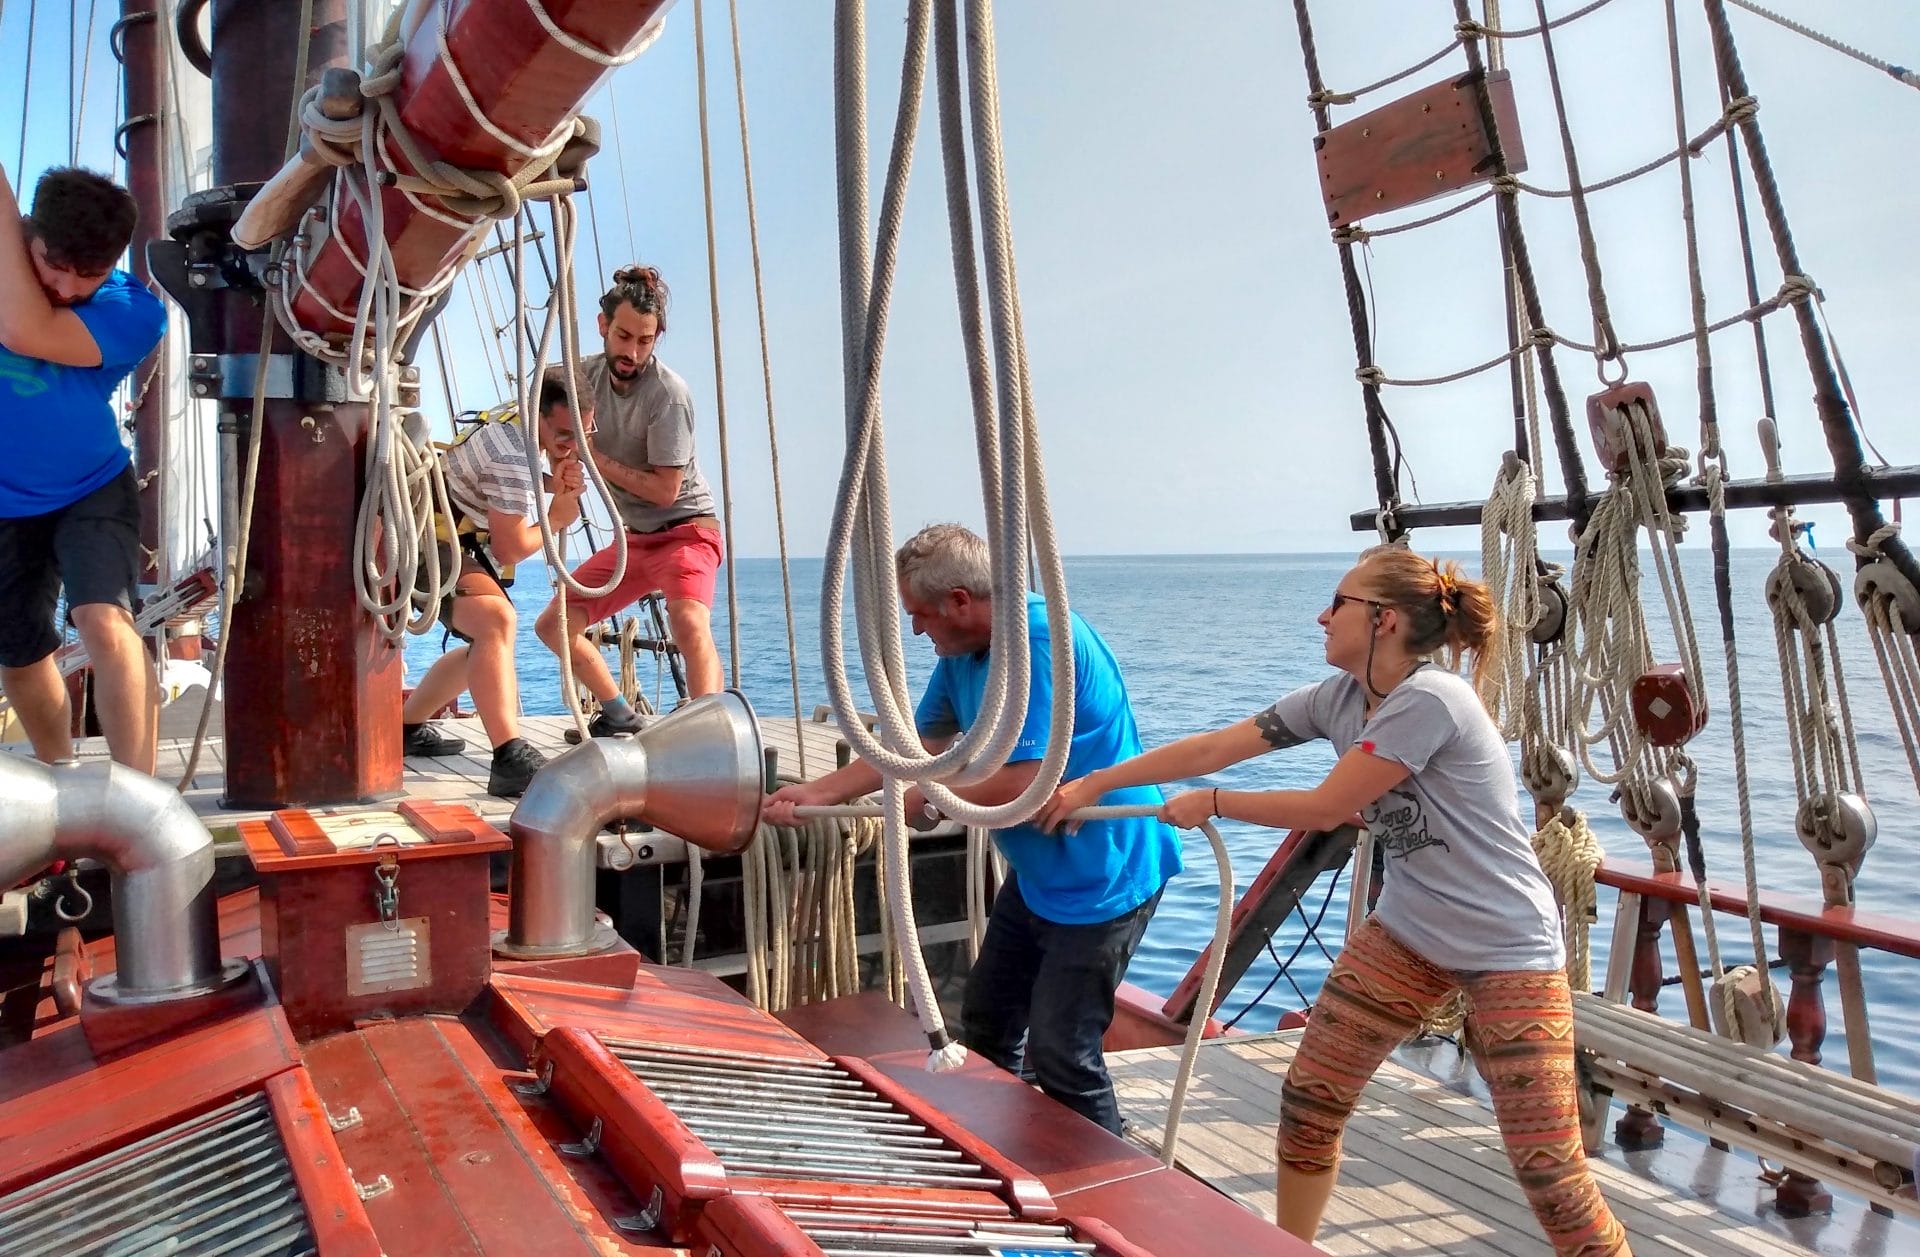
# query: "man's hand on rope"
[569,478]
[778,807]
[1189,809]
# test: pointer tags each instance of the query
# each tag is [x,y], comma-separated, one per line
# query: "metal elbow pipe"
[158,854]
[695,774]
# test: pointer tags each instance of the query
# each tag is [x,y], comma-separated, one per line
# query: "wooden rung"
[1658,1034]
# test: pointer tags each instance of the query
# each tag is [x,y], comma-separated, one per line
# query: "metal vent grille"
[774,1117]
[916,1235]
[389,956]
[218,1185]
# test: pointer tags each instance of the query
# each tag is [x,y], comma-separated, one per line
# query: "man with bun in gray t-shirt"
[643,446]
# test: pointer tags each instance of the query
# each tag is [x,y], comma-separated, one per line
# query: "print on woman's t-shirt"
[1399,825]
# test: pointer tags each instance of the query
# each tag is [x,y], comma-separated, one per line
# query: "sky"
[1192,360]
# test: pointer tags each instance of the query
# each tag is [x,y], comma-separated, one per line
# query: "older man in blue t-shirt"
[71,328]
[1075,905]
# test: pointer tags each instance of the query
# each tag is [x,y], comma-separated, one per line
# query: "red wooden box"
[332,955]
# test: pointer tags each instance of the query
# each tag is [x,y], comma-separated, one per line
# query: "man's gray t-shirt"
[1463,887]
[650,425]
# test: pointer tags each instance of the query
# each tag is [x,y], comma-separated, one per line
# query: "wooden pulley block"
[1817,585]
[1880,582]
[1613,416]
[1759,1014]
[1550,774]
[1652,810]
[1836,828]
[1552,624]
[1664,708]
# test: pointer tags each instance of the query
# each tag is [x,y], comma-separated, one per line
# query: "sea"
[1205,640]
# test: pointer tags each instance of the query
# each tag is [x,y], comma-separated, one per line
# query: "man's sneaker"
[427,741]
[514,764]
[606,726]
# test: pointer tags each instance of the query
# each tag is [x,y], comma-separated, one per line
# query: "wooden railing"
[1811,936]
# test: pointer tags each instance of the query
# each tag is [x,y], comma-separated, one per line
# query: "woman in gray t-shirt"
[1464,906]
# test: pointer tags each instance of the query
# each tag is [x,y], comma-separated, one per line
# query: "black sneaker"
[428,742]
[605,726]
[514,764]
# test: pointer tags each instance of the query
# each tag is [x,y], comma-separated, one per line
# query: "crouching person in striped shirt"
[496,518]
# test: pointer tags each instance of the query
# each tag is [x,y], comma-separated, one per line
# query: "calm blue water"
[1205,641]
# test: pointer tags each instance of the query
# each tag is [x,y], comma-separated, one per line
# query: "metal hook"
[75,889]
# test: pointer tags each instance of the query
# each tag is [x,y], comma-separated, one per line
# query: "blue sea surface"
[1207,640]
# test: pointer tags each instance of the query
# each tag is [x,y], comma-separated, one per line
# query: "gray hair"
[941,557]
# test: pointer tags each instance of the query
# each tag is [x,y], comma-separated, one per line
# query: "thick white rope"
[1509,554]
[861,531]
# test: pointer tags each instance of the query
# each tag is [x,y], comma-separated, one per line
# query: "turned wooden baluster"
[1796,1195]
[1638,1128]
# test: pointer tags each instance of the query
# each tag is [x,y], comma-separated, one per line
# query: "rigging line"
[1386,488]
[1489,31]
[1400,464]
[593,217]
[1573,474]
[620,160]
[26,91]
[1589,248]
[1898,72]
[1312,933]
[766,378]
[719,366]
[446,375]
[1713,467]
[1836,417]
[86,72]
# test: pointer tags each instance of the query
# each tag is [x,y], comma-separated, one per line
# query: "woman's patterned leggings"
[1520,1028]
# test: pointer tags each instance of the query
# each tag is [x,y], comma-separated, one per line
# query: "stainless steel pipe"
[695,774]
[157,853]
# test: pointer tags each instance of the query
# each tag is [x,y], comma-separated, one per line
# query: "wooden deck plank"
[1425,1170]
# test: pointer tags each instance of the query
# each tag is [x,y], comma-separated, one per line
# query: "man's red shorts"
[679,562]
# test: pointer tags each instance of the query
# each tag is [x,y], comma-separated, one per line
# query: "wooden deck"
[1425,1172]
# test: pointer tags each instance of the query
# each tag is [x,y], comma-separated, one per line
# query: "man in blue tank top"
[72,327]
[1075,905]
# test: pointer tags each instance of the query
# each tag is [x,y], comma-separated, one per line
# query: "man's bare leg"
[39,698]
[126,691]
[589,666]
[445,681]
[490,622]
[691,623]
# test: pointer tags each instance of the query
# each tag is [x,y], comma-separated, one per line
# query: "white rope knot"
[1352,233]
[1470,30]
[1543,337]
[1506,185]
[1326,96]
[1740,109]
[1874,546]
[1796,288]
[1371,376]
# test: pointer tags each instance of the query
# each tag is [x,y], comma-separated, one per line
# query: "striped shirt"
[488,472]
